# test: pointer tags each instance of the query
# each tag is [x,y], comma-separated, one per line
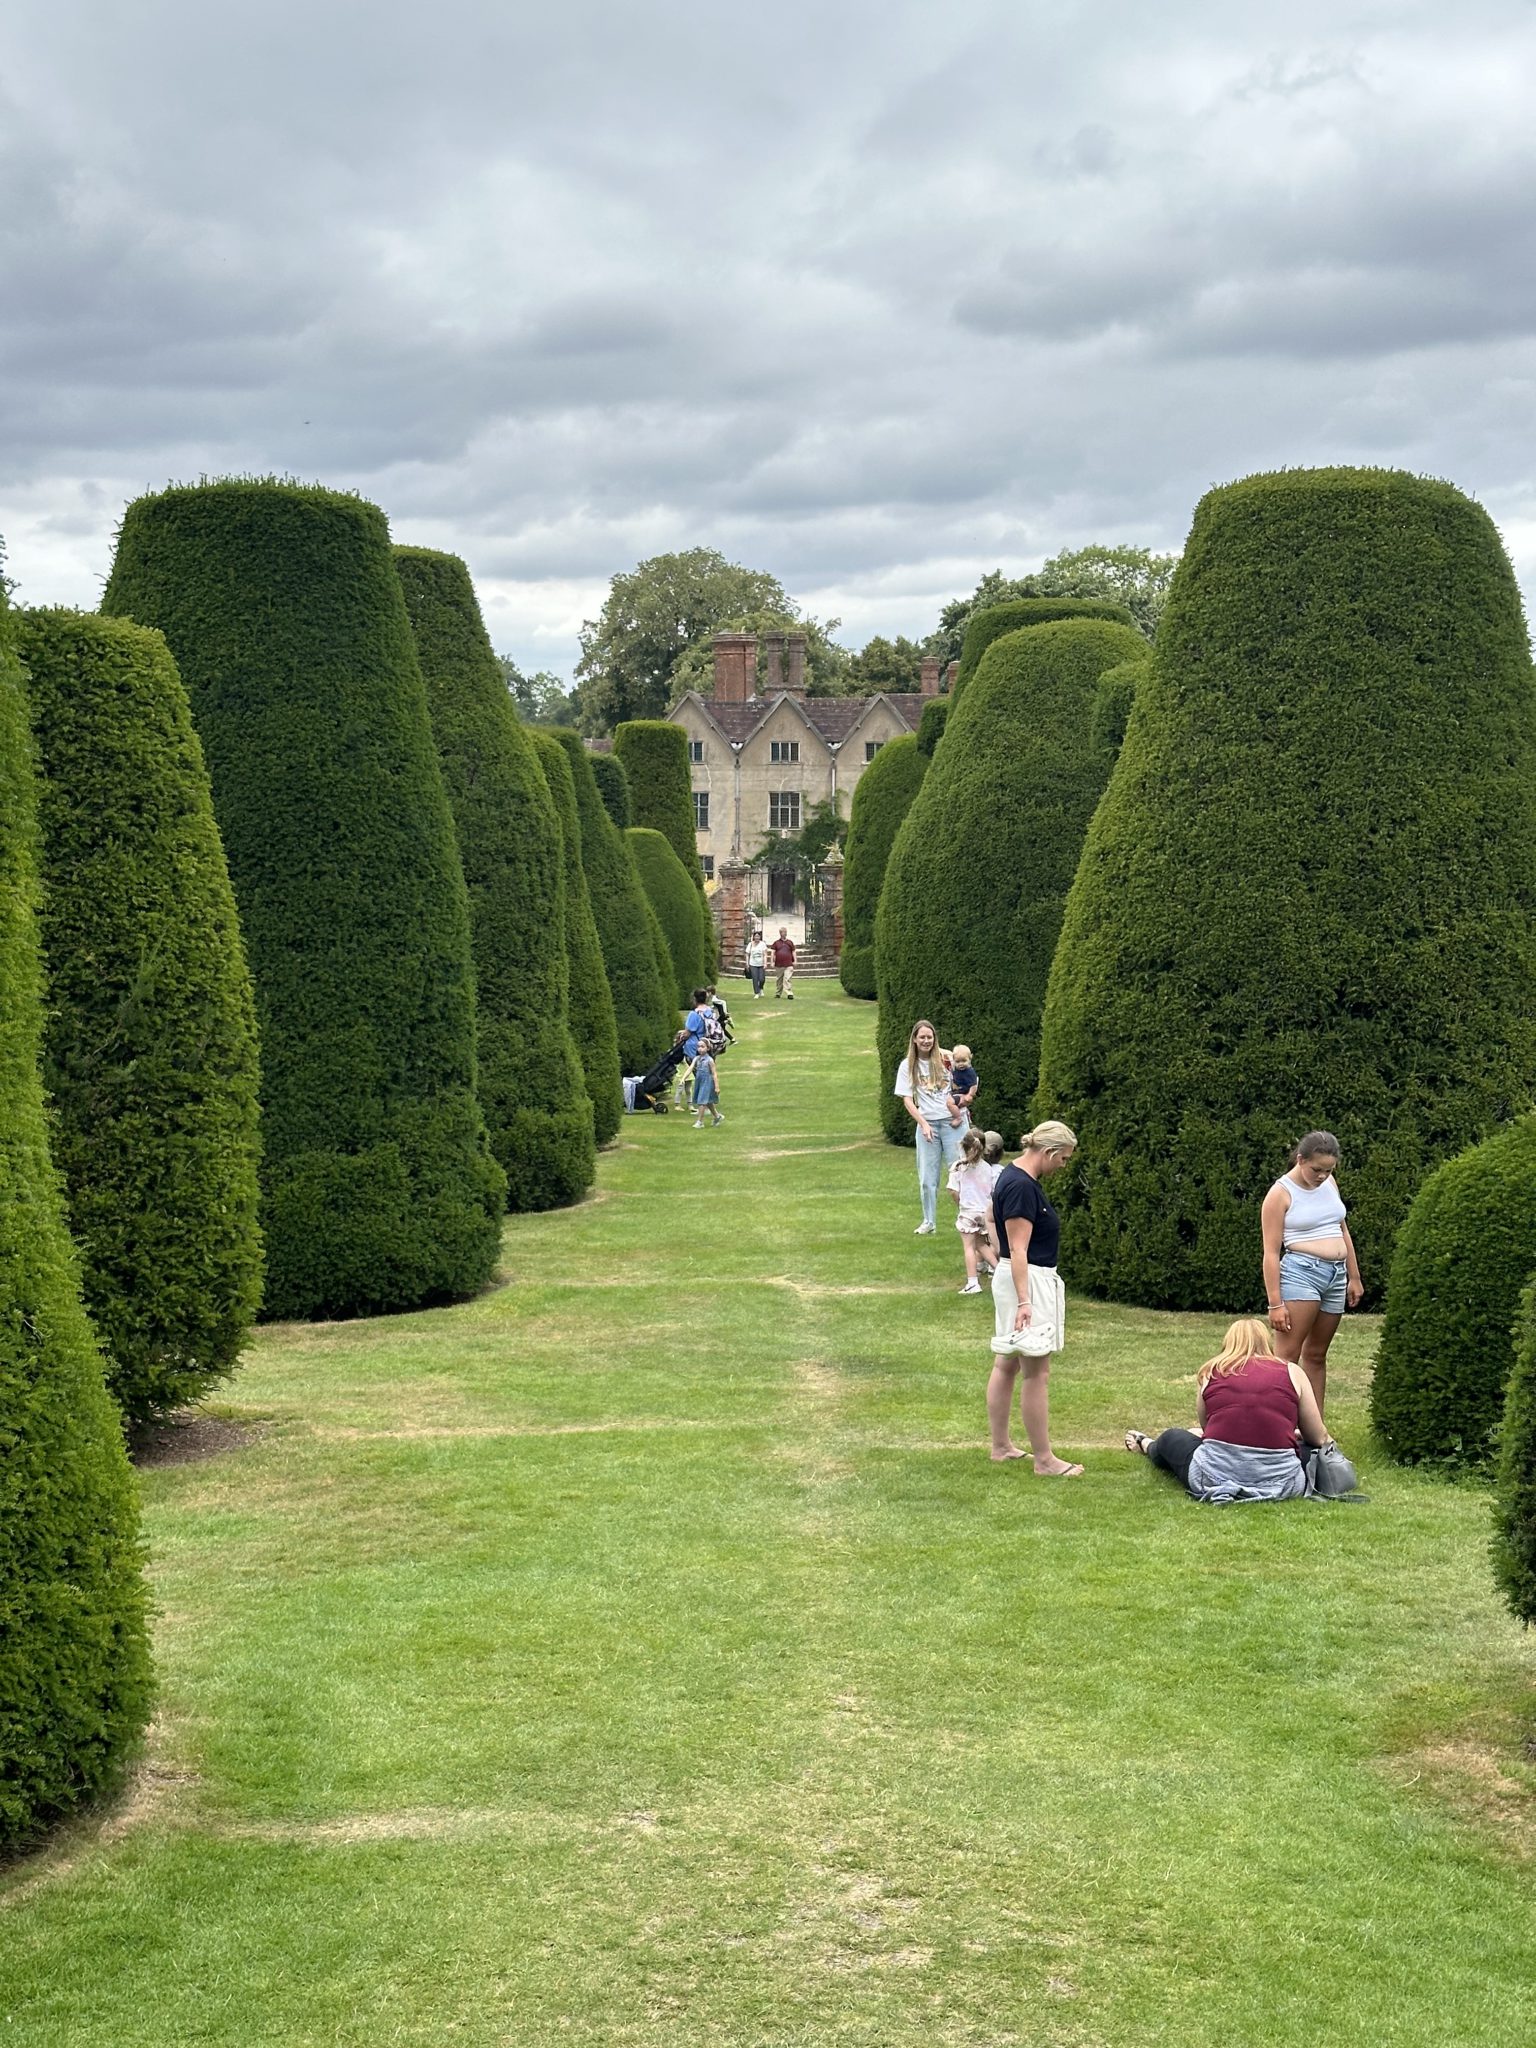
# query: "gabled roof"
[832,719]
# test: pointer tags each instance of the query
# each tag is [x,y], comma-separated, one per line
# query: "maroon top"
[783,952]
[1256,1406]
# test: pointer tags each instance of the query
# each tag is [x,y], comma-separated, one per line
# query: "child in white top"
[970,1182]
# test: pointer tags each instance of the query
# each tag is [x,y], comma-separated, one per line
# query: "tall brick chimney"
[773,664]
[735,667]
[929,675]
[794,682]
[949,678]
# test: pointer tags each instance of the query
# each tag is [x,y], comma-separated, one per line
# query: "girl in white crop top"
[1311,1274]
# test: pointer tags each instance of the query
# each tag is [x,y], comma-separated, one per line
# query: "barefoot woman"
[1027,1299]
[1311,1274]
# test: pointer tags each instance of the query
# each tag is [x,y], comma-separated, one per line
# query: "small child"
[992,1154]
[970,1182]
[963,1083]
[706,1089]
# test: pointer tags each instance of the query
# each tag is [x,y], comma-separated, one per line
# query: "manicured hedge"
[532,1089]
[591,1002]
[979,873]
[1113,702]
[1018,612]
[654,755]
[74,1658]
[150,1047]
[680,908]
[882,797]
[635,956]
[930,727]
[1465,1251]
[1306,897]
[613,788]
[287,621]
[1514,1512]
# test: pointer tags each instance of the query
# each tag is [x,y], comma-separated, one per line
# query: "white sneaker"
[971,1287]
[923,1230]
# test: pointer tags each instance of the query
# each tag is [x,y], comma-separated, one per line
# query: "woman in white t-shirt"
[922,1082]
[757,962]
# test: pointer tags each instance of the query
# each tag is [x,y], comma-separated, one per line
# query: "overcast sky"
[873,295]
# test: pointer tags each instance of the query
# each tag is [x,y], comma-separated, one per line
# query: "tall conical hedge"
[150,1048]
[532,1089]
[654,755]
[1306,898]
[287,621]
[74,1660]
[1514,1510]
[1464,1254]
[591,1001]
[635,958]
[1112,704]
[882,797]
[1018,612]
[678,905]
[1001,815]
[930,727]
[613,788]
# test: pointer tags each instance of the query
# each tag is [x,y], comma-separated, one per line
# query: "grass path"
[647,1653]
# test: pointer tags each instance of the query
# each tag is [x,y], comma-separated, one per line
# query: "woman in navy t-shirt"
[1028,1301]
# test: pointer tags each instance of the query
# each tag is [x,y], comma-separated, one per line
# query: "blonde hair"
[962,1053]
[1247,1338]
[972,1146]
[992,1146]
[1049,1137]
[936,1069]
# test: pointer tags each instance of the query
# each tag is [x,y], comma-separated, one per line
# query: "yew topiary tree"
[1018,612]
[1002,811]
[654,756]
[1112,705]
[635,957]
[1464,1253]
[282,607]
[591,1002]
[613,788]
[74,1658]
[930,727]
[678,906]
[1306,897]
[1514,1510]
[882,796]
[150,1048]
[532,1089]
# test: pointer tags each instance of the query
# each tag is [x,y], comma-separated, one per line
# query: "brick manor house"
[761,764]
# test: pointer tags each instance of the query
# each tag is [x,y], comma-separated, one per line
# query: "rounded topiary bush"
[1465,1251]
[282,607]
[635,957]
[74,1659]
[532,1089]
[1112,705]
[150,1049]
[591,1002]
[1306,898]
[882,797]
[930,727]
[979,874]
[1514,1512]
[678,906]
[653,752]
[1019,612]
[613,788]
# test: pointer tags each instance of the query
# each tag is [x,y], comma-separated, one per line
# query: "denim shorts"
[1305,1277]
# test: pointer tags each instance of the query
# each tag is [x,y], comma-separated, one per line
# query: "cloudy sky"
[874,295]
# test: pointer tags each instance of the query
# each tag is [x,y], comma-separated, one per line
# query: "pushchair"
[650,1091]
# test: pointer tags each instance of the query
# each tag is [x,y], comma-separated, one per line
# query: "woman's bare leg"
[1000,1407]
[1035,1407]
[1314,1351]
[1289,1343]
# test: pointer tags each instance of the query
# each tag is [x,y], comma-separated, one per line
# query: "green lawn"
[649,1653]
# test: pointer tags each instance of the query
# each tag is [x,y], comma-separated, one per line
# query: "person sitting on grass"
[970,1182]
[706,1089]
[963,1083]
[1255,1413]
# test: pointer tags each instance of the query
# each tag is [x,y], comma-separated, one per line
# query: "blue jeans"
[1305,1277]
[941,1150]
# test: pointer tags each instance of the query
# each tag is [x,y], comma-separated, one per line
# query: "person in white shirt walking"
[922,1082]
[757,962]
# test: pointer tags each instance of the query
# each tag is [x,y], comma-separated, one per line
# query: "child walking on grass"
[970,1182]
[706,1089]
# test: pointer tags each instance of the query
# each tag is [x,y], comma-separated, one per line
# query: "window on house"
[695,750]
[700,809]
[871,748]
[707,863]
[783,750]
[784,810]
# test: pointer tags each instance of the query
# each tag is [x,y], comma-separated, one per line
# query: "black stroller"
[651,1089]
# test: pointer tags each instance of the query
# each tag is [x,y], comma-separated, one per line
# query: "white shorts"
[1046,1330]
[972,1222]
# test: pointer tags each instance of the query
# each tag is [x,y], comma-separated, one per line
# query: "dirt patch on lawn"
[188,1437]
[1480,1782]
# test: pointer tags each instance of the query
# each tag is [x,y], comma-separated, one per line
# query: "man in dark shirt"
[783,952]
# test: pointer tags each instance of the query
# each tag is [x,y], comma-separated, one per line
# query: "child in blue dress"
[706,1089]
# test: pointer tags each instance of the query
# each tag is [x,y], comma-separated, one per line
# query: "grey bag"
[1330,1475]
